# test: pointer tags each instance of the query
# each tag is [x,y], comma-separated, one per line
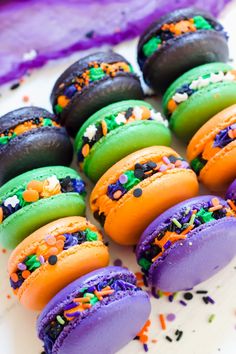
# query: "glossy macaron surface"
[122,300]
[30,137]
[124,198]
[197,96]
[211,152]
[69,246]
[35,198]
[90,84]
[178,42]
[116,131]
[194,255]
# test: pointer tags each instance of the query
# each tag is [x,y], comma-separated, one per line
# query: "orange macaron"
[138,188]
[52,257]
[212,150]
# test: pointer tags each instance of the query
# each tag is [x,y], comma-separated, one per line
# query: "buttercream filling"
[221,140]
[94,132]
[51,245]
[95,72]
[183,93]
[79,307]
[178,227]
[9,134]
[176,29]
[36,190]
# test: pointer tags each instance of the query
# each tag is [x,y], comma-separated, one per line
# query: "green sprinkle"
[91,235]
[4,140]
[111,122]
[132,180]
[89,295]
[187,210]
[47,122]
[94,300]
[58,109]
[191,221]
[96,74]
[32,262]
[197,164]
[83,290]
[211,318]
[160,293]
[201,23]
[144,263]
[206,216]
[60,320]
[176,222]
[151,46]
[131,69]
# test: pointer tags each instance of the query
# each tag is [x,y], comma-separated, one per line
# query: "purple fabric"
[55,29]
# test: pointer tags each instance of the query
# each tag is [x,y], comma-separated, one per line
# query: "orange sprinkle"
[60,244]
[25,98]
[105,292]
[214,208]
[231,204]
[22,128]
[63,101]
[30,195]
[104,128]
[51,240]
[139,276]
[231,134]
[53,251]
[178,163]
[96,293]
[117,194]
[8,296]
[4,250]
[189,228]
[87,306]
[82,299]
[154,340]
[26,274]
[172,105]
[162,321]
[215,201]
[145,112]
[143,338]
[85,150]
[35,185]
[14,277]
[1,215]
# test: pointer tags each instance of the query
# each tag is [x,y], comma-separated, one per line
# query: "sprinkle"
[210,300]
[21,266]
[183,303]
[60,320]
[52,260]
[35,185]
[50,240]
[176,222]
[188,296]
[13,201]
[1,214]
[118,262]
[25,98]
[214,208]
[85,150]
[30,196]
[117,194]
[211,318]
[137,192]
[41,259]
[14,277]
[231,204]
[26,274]
[123,179]
[104,127]
[192,219]
[168,338]
[162,321]
[145,347]
[15,86]
[180,334]
[171,317]
[201,292]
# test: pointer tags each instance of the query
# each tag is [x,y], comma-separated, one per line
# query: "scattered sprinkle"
[137,192]
[211,318]
[52,260]
[162,321]
[15,86]
[188,296]
[183,303]
[201,292]
[179,335]
[171,317]
[168,338]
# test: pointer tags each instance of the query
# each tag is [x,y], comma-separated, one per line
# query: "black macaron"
[166,51]
[79,92]
[30,137]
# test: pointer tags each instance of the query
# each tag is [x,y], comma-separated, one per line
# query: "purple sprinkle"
[171,317]
[21,266]
[233,126]
[167,245]
[41,259]
[155,293]
[210,300]
[162,168]
[166,160]
[74,314]
[184,164]
[145,347]
[117,262]
[123,179]
[183,303]
[70,306]
[171,298]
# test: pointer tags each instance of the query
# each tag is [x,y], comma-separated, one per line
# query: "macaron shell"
[200,107]
[209,130]
[109,328]
[45,146]
[231,191]
[121,142]
[47,280]
[58,227]
[220,171]
[127,220]
[189,262]
[35,215]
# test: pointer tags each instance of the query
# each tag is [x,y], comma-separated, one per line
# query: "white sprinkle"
[190,243]
[120,119]
[52,181]
[194,85]
[180,97]
[137,112]
[229,77]
[203,82]
[158,117]
[32,54]
[90,132]
[13,201]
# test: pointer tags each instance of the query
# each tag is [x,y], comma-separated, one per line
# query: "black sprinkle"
[201,292]
[15,86]
[188,296]
[139,173]
[169,339]
[90,34]
[205,299]
[137,192]
[52,260]
[177,332]
[136,338]
[179,335]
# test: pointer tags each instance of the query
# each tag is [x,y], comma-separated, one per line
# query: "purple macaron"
[231,191]
[188,243]
[100,312]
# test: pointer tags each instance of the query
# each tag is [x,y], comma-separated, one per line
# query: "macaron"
[90,84]
[138,188]
[100,312]
[231,192]
[31,137]
[197,96]
[178,42]
[115,132]
[52,257]
[212,150]
[188,243]
[36,198]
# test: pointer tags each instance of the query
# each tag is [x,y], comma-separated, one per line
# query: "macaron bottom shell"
[206,250]
[122,142]
[22,223]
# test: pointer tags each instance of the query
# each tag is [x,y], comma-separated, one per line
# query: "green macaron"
[116,131]
[197,96]
[36,198]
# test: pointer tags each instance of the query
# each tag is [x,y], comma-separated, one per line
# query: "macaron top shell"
[189,37]
[231,191]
